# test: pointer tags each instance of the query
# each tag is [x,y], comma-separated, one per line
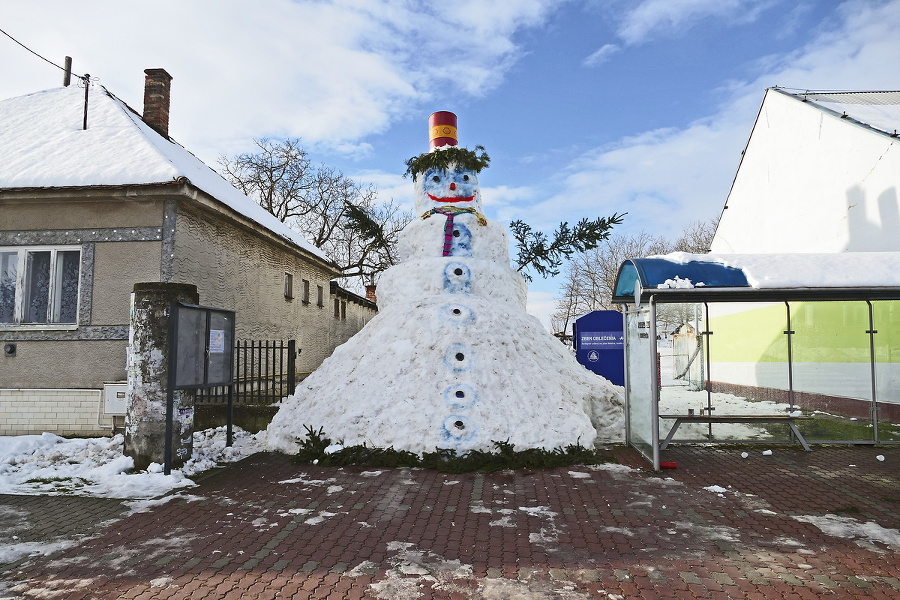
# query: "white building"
[820,173]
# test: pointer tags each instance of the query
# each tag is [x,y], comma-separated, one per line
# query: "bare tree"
[277,176]
[696,237]
[590,277]
[346,221]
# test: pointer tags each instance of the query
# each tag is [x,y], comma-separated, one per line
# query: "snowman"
[452,360]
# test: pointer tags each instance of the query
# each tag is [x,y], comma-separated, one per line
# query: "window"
[39,285]
[320,300]
[304,291]
[337,308]
[343,310]
[288,286]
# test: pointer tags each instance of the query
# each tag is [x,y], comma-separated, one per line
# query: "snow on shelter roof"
[43,145]
[878,110]
[738,277]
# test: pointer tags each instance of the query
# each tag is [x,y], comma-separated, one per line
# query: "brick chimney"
[157,85]
[370,293]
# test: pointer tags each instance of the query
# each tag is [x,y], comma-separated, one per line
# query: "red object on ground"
[442,129]
[668,465]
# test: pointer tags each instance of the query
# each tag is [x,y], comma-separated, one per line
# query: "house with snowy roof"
[87,212]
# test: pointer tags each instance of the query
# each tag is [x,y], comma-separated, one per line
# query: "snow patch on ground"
[48,464]
[309,482]
[612,467]
[866,533]
[504,521]
[413,569]
[13,551]
[142,506]
[320,518]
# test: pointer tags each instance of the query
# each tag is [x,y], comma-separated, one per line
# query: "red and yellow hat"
[442,134]
[442,129]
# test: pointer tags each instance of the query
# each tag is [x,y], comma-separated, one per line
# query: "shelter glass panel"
[639,348]
[747,369]
[832,369]
[682,365]
[886,318]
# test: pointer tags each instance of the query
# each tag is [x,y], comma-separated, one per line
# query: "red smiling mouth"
[453,198]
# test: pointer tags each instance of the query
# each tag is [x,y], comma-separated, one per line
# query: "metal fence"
[264,372]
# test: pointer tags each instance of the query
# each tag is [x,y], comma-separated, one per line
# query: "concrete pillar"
[148,372]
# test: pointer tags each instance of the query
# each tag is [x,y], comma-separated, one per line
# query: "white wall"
[812,182]
[63,412]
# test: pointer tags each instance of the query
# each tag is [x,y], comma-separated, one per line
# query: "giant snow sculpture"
[452,360]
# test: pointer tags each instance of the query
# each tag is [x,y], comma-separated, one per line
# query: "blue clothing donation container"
[599,339]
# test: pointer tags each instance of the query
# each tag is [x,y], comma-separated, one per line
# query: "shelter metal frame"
[706,295]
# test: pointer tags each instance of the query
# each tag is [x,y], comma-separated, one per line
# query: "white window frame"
[53,300]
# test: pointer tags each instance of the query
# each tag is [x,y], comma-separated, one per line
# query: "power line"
[81,77]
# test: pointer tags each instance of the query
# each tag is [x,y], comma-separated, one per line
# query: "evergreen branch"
[442,158]
[544,256]
[359,221]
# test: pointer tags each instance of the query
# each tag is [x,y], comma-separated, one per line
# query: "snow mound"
[452,360]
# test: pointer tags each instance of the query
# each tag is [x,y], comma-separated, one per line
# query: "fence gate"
[264,372]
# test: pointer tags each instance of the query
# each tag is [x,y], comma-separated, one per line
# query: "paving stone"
[385,529]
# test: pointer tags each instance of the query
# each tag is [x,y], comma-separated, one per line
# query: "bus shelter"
[765,349]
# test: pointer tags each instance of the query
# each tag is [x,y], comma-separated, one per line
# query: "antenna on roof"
[87,87]
[67,75]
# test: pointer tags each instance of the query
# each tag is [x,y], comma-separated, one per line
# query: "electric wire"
[81,77]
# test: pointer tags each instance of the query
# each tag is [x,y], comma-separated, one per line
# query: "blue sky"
[586,107]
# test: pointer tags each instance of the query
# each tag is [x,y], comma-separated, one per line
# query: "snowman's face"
[441,189]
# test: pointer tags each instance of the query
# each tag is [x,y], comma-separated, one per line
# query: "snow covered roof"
[744,276]
[878,110]
[43,145]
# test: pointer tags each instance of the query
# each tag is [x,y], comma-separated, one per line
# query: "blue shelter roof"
[683,277]
[656,273]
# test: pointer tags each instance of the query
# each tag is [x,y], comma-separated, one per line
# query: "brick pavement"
[266,528]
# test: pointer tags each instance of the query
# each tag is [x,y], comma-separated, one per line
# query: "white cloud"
[327,72]
[506,201]
[390,186]
[602,55]
[669,177]
[654,17]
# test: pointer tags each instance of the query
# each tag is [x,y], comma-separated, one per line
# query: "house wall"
[55,380]
[238,269]
[63,412]
[354,316]
[810,181]
[233,267]
[96,213]
[111,303]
